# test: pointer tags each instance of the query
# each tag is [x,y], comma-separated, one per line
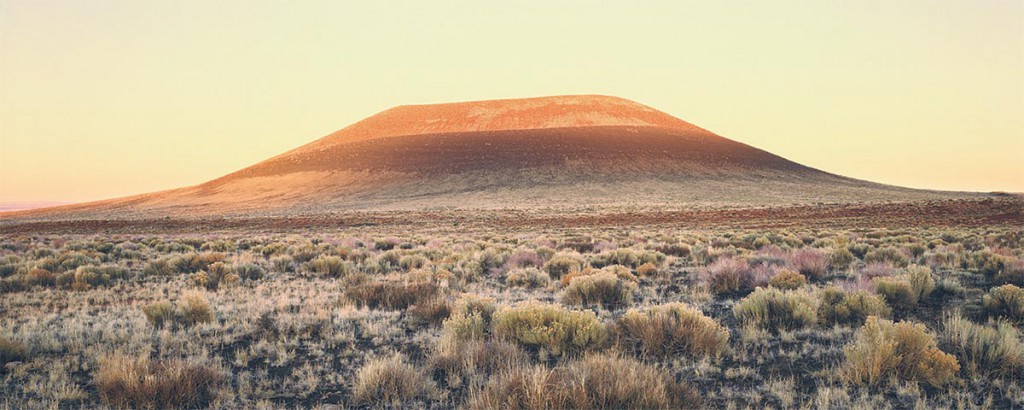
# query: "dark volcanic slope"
[568,151]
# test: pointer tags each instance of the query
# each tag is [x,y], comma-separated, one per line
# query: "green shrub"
[986,350]
[884,350]
[1005,301]
[549,328]
[838,307]
[786,279]
[160,314]
[670,330]
[775,310]
[841,259]
[921,281]
[471,318]
[249,271]
[410,262]
[600,289]
[897,292]
[562,264]
[892,256]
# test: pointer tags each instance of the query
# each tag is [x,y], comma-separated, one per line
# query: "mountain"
[559,152]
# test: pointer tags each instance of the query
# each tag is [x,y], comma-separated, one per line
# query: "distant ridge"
[562,152]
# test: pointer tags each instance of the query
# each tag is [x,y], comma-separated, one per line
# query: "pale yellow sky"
[109,98]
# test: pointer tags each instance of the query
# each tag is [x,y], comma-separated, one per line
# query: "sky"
[101,99]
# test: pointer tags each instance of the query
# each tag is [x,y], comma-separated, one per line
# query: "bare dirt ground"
[1004,212]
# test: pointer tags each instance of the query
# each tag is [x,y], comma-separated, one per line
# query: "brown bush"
[729,275]
[786,279]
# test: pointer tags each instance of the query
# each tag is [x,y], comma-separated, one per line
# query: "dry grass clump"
[390,381]
[11,351]
[1005,301]
[391,294]
[138,382]
[647,270]
[431,310]
[729,275]
[836,306]
[330,266]
[530,278]
[594,382]
[461,363]
[549,329]
[602,288]
[786,279]
[191,309]
[995,349]
[670,330]
[776,310]
[883,350]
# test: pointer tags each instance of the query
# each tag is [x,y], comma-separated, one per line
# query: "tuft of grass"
[836,306]
[593,382]
[391,294]
[138,382]
[776,310]
[670,330]
[1006,302]
[603,288]
[883,350]
[995,349]
[550,329]
[390,381]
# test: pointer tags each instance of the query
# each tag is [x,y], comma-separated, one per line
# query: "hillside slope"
[561,152]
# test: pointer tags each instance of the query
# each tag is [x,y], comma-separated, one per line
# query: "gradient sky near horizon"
[101,99]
